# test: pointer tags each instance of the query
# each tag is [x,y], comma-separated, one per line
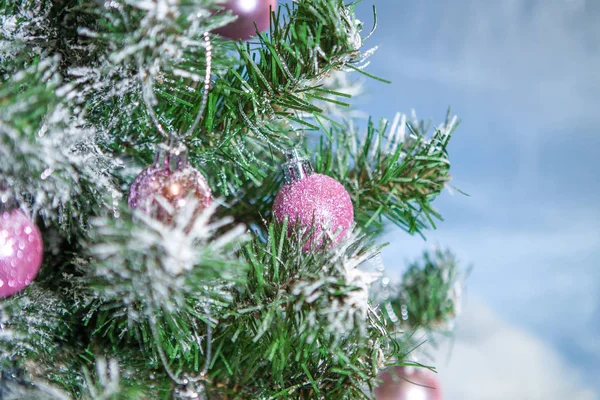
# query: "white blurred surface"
[494,360]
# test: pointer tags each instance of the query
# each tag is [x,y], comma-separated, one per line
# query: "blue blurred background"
[524,78]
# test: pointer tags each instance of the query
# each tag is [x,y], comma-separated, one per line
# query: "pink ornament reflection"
[249,13]
[408,383]
[21,252]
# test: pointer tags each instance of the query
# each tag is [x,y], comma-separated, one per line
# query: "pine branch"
[279,82]
[12,388]
[304,312]
[191,307]
[39,332]
[30,324]
[158,284]
[392,171]
[46,148]
[136,46]
[25,35]
[109,381]
[106,380]
[389,172]
[429,296]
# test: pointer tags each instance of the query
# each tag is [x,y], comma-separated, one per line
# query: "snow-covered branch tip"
[338,297]
[139,260]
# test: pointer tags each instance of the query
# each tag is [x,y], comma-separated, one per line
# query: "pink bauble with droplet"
[409,383]
[316,198]
[249,13]
[21,251]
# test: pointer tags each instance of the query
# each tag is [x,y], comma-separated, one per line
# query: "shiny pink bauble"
[21,251]
[249,13]
[175,187]
[316,199]
[409,383]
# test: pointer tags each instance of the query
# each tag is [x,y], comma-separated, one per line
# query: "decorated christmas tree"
[190,206]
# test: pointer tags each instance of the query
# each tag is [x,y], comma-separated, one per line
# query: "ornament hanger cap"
[171,157]
[296,167]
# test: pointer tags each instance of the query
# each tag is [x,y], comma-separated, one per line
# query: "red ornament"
[308,199]
[252,15]
[409,383]
[21,251]
[174,181]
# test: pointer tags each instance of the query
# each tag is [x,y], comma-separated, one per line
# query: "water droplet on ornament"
[12,283]
[1,283]
[19,254]
[28,230]
[385,281]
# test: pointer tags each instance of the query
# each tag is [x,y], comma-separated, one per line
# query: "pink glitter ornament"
[308,198]
[249,13]
[409,383]
[172,179]
[21,251]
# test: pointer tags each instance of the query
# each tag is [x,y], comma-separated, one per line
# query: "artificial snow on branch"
[166,280]
[49,159]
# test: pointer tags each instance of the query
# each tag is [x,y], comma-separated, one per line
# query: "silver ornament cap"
[296,167]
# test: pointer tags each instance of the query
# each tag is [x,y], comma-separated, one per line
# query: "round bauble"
[308,198]
[409,383]
[21,251]
[165,187]
[251,15]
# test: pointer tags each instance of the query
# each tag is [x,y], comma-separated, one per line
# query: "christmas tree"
[190,206]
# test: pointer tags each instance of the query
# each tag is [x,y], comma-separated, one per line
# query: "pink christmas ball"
[249,13]
[408,383]
[175,187]
[316,198]
[21,252]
